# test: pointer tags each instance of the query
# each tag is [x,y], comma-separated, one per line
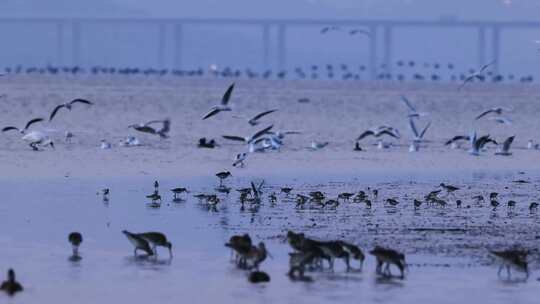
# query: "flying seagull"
[326,29]
[255,120]
[496,110]
[22,131]
[476,75]
[378,132]
[223,106]
[146,128]
[477,144]
[418,137]
[68,106]
[249,139]
[412,110]
[505,151]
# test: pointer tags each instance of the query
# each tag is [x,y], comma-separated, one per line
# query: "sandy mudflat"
[50,193]
[338,112]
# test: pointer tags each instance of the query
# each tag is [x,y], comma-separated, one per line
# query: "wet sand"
[50,193]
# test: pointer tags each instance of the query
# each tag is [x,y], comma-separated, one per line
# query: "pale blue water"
[37,215]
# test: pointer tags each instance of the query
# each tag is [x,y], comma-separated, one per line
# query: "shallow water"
[445,266]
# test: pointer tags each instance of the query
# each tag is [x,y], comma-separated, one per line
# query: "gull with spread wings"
[255,120]
[505,150]
[223,106]
[495,110]
[23,130]
[249,139]
[418,137]
[68,106]
[476,75]
[413,113]
[146,128]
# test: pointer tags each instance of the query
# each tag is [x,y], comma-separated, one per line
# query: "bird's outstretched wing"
[456,138]
[387,132]
[425,130]
[507,143]
[258,116]
[484,114]
[211,113]
[365,134]
[227,95]
[262,132]
[485,66]
[408,103]
[55,111]
[80,100]
[9,128]
[33,121]
[413,127]
[232,137]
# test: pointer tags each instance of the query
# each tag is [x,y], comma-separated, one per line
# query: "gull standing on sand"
[223,106]
[68,106]
[318,145]
[476,75]
[23,130]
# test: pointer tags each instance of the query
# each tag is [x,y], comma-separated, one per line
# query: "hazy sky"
[402,9]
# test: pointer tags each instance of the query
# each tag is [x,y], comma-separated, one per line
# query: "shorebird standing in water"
[222,176]
[388,257]
[75,238]
[68,106]
[223,106]
[138,242]
[11,286]
[449,188]
[23,130]
[178,191]
[157,239]
[516,259]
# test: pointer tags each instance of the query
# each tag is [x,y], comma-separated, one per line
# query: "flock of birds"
[308,254]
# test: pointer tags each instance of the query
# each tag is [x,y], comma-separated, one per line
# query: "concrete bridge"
[71,31]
